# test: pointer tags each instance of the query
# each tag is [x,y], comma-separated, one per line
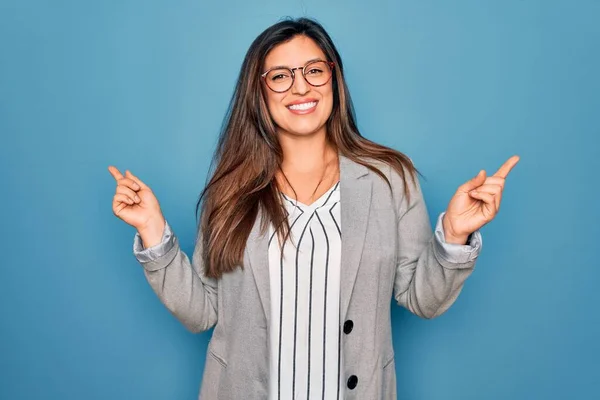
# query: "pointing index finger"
[115,173]
[507,167]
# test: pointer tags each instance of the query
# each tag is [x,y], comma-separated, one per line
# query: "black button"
[348,325]
[352,382]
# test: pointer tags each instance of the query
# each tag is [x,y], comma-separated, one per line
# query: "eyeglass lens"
[316,73]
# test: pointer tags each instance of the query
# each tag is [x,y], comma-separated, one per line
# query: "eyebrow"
[285,66]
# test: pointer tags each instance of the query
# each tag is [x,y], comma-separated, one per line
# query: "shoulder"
[391,185]
[389,172]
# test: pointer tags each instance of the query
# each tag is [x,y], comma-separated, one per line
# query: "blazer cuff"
[456,253]
[157,251]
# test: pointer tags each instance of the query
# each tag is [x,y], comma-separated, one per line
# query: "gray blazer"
[388,249]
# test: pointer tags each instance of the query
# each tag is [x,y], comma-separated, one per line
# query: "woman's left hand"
[475,203]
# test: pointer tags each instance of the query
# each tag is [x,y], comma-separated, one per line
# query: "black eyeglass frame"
[331,64]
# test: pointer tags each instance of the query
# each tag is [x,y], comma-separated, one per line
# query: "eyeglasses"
[316,73]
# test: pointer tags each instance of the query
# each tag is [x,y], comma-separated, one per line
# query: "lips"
[303,107]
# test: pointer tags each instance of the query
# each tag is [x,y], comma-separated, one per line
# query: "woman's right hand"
[135,203]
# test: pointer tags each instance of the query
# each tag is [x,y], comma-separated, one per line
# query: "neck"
[310,166]
[306,154]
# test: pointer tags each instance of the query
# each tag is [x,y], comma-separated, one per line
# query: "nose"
[300,85]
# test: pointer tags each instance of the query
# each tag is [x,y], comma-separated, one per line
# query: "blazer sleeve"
[430,273]
[179,283]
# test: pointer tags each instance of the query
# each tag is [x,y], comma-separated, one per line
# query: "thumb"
[137,180]
[474,183]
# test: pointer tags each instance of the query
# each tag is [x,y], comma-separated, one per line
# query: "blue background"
[458,86]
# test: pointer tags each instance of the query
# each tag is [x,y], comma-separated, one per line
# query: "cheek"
[327,103]
[275,107]
[327,95]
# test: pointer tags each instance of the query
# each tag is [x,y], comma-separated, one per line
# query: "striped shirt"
[305,357]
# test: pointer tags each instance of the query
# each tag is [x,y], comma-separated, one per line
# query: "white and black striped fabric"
[305,291]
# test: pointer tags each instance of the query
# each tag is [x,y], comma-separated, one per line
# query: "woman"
[307,230]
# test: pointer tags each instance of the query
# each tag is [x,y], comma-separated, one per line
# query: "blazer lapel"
[355,195]
[258,254]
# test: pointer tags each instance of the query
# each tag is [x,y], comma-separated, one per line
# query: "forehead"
[294,53]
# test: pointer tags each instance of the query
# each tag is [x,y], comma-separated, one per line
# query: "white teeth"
[303,106]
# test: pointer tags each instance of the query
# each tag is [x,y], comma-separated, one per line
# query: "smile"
[303,108]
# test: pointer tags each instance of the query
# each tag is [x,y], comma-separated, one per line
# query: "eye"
[314,71]
[278,75]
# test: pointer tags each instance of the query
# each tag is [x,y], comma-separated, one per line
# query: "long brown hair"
[248,153]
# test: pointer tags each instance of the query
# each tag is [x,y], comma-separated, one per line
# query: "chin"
[305,127]
[303,130]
